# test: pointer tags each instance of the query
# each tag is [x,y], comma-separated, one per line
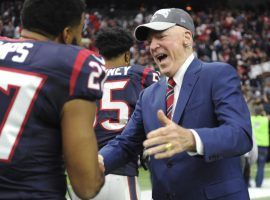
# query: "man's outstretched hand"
[168,140]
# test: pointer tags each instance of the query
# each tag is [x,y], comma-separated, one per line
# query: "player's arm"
[80,148]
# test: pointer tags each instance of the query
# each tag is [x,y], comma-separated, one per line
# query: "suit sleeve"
[233,137]
[128,145]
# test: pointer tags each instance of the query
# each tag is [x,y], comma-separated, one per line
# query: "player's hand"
[101,163]
[168,140]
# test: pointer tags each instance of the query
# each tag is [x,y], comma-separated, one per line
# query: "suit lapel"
[190,78]
[162,94]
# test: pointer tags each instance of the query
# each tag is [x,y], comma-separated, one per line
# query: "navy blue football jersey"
[121,91]
[36,80]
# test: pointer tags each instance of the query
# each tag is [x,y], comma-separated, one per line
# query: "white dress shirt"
[178,78]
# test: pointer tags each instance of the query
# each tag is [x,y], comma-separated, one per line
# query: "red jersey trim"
[13,39]
[78,64]
[144,76]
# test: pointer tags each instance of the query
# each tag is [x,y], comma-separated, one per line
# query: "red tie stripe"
[169,97]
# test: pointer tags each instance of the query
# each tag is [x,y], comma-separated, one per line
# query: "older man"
[194,149]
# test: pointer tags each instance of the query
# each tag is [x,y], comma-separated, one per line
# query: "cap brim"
[141,32]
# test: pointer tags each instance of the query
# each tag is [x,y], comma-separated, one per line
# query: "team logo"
[163,12]
[183,20]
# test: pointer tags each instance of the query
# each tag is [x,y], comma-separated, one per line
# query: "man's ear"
[66,35]
[187,38]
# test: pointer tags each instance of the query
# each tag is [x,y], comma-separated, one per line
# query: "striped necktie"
[170,97]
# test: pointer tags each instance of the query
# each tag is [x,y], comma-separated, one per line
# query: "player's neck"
[26,34]
[113,63]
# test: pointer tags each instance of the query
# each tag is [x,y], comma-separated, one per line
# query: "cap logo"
[163,12]
[183,20]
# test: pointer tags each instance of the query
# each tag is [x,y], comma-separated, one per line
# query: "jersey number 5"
[26,87]
[108,104]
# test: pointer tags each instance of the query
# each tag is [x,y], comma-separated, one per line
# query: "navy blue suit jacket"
[211,103]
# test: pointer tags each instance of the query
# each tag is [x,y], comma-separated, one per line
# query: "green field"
[144,179]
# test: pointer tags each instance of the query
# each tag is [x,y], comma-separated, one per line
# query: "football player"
[48,90]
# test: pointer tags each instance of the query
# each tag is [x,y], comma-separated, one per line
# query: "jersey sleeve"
[149,76]
[88,76]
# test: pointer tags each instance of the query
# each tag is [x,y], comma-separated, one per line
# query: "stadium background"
[232,31]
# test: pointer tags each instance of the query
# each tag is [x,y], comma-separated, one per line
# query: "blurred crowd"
[238,37]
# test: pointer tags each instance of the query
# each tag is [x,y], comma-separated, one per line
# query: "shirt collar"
[178,77]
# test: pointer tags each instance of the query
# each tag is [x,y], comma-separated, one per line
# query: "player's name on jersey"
[119,71]
[17,51]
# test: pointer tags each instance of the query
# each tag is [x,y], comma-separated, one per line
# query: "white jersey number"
[95,75]
[26,87]
[120,106]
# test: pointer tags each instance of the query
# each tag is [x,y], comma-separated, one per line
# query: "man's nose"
[154,44]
